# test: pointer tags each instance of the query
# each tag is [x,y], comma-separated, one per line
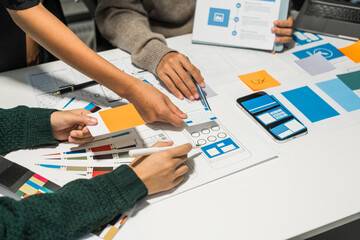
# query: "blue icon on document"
[219,17]
[328,51]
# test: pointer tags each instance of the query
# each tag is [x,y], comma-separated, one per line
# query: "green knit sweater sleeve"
[24,127]
[78,208]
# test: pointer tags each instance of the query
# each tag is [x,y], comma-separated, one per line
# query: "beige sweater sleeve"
[125,24]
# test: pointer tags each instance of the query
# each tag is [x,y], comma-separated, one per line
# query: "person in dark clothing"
[83,205]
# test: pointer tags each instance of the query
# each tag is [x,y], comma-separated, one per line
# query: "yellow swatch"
[259,80]
[352,51]
[120,118]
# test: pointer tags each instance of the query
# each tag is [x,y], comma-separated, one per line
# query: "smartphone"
[272,116]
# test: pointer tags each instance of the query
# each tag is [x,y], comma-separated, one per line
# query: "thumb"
[83,119]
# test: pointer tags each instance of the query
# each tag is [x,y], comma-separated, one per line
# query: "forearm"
[126,25]
[78,208]
[53,35]
[24,127]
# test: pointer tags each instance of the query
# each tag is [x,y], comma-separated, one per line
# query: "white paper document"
[236,23]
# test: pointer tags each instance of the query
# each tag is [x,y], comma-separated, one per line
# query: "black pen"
[75,87]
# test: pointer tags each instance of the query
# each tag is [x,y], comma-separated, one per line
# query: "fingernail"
[180,97]
[275,22]
[202,84]
[92,120]
[277,39]
[192,98]
[272,29]
[73,134]
[196,96]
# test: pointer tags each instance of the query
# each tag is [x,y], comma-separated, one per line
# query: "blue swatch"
[341,93]
[327,50]
[310,104]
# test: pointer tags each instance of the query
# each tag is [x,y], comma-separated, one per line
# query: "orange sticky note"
[352,51]
[121,118]
[259,80]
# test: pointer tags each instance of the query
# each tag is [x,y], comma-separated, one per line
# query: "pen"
[201,92]
[148,151]
[75,87]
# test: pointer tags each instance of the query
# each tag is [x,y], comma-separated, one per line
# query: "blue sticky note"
[310,104]
[219,17]
[341,94]
[327,50]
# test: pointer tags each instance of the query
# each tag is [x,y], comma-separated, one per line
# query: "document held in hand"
[238,23]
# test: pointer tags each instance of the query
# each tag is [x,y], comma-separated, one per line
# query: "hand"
[284,29]
[163,170]
[173,70]
[71,125]
[153,105]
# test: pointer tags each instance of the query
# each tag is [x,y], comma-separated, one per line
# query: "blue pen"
[201,92]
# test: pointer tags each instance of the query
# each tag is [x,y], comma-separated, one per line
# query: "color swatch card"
[327,50]
[310,104]
[315,64]
[115,119]
[198,116]
[259,80]
[352,80]
[20,182]
[352,51]
[341,93]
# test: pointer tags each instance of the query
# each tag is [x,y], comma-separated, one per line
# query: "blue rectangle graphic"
[341,94]
[219,17]
[260,103]
[327,50]
[310,104]
[219,148]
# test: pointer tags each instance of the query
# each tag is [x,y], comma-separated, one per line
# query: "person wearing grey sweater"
[140,28]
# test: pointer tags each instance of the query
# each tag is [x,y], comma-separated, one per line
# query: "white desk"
[314,183]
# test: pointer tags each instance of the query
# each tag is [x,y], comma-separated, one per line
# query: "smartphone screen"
[279,122]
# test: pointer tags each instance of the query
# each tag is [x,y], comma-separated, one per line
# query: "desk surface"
[313,183]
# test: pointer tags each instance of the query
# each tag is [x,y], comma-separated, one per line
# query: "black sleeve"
[19,4]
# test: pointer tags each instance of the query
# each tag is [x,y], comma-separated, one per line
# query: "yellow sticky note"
[352,51]
[259,80]
[120,118]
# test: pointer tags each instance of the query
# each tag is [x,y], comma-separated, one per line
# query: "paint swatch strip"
[23,182]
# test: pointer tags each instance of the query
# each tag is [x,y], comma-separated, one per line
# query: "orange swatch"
[120,118]
[352,51]
[259,80]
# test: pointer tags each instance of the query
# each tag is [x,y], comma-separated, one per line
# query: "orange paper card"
[352,51]
[121,118]
[259,80]
[115,119]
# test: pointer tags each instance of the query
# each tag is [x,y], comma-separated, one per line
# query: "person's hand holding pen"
[173,70]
